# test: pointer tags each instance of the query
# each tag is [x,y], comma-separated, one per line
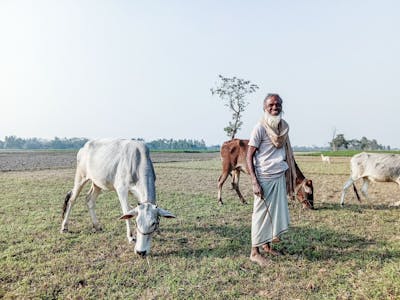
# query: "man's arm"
[257,190]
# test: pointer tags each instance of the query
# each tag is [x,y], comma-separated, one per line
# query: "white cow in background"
[325,159]
[378,167]
[123,166]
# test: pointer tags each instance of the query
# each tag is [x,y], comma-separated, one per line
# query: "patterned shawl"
[280,138]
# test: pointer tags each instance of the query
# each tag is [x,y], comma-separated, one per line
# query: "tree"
[354,144]
[364,143]
[333,145]
[33,143]
[234,91]
[338,142]
[13,142]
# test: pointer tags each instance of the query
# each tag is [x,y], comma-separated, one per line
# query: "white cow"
[123,166]
[379,167]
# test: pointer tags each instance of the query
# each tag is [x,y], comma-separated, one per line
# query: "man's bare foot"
[276,240]
[259,259]
[267,248]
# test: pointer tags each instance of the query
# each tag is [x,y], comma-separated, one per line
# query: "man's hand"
[257,190]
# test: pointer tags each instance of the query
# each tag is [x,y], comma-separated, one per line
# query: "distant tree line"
[182,144]
[13,142]
[339,142]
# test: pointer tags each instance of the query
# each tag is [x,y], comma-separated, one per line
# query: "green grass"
[330,253]
[344,153]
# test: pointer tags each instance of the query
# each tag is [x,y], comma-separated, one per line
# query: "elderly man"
[269,158]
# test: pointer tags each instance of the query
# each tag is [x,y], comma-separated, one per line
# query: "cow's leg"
[91,198]
[221,181]
[345,188]
[79,182]
[396,204]
[123,200]
[235,184]
[364,188]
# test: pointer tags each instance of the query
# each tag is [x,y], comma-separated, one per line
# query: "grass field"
[330,253]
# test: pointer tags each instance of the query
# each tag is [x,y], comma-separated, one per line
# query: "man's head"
[273,104]
[273,110]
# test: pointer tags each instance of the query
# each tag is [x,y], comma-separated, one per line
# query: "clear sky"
[145,68]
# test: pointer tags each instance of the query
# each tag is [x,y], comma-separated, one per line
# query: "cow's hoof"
[64,230]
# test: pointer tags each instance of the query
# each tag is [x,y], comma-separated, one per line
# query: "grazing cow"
[123,166]
[325,159]
[378,167]
[233,156]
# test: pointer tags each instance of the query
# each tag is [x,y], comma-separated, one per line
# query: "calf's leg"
[221,181]
[235,185]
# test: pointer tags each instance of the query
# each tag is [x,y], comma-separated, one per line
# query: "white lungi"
[270,215]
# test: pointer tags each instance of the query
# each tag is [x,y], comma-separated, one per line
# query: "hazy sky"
[145,68]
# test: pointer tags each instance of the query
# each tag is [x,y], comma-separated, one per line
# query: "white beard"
[272,121]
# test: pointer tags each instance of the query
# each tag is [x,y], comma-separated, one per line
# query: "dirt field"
[41,160]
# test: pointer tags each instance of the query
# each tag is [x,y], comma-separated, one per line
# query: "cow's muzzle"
[142,253]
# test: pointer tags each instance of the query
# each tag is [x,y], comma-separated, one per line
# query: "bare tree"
[234,91]
[333,138]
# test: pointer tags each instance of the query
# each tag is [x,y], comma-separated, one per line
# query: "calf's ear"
[130,214]
[165,213]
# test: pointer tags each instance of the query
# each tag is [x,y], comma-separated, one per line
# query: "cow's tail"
[66,201]
[355,191]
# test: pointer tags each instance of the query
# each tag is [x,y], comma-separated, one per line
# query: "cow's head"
[147,221]
[305,194]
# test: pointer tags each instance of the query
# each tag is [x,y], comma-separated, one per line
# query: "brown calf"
[233,156]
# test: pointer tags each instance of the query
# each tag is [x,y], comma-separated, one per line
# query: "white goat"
[325,159]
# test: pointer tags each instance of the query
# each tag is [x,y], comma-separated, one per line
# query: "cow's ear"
[130,214]
[308,186]
[165,213]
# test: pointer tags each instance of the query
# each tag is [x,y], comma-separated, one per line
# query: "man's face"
[273,106]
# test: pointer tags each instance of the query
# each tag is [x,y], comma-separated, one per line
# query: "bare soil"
[42,160]
[328,179]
